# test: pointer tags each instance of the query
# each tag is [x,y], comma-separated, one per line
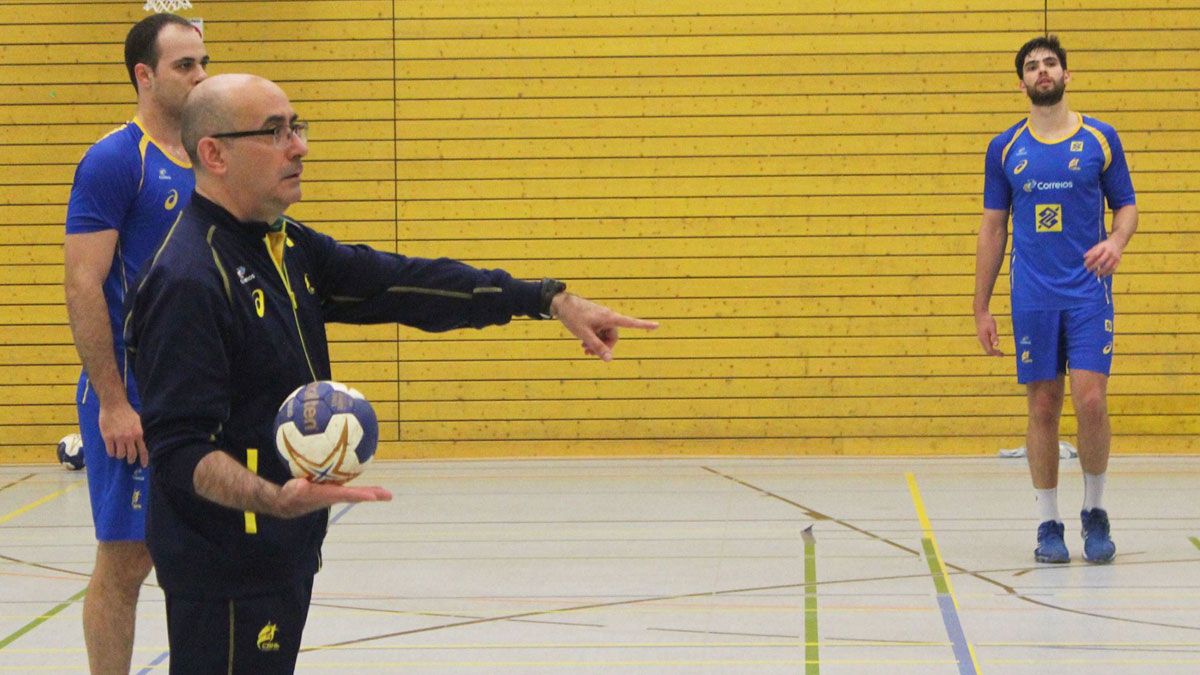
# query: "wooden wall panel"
[792,188]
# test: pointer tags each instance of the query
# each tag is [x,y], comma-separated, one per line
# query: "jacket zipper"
[282,269]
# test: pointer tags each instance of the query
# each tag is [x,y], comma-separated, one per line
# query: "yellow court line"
[927,531]
[33,505]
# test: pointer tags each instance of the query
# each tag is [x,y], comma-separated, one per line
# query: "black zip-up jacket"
[220,334]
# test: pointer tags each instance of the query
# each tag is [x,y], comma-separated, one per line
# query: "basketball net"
[166,5]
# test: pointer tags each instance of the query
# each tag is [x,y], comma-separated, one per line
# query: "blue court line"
[957,638]
[964,653]
[157,660]
[337,516]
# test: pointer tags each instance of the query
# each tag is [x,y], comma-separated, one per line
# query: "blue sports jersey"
[126,182]
[1056,192]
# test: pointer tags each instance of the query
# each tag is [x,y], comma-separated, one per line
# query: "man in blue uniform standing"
[129,187]
[227,320]
[1053,171]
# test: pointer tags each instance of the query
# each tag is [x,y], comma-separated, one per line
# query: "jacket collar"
[219,215]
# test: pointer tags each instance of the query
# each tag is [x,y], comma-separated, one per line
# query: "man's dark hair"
[141,44]
[1049,43]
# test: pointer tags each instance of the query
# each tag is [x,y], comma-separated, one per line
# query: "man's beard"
[1048,97]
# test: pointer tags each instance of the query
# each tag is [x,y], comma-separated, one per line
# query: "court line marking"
[964,653]
[812,651]
[981,575]
[544,612]
[18,481]
[150,666]
[341,512]
[62,605]
[41,619]
[815,515]
[34,504]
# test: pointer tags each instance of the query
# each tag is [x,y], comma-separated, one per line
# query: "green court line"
[935,567]
[41,619]
[812,652]
[1195,541]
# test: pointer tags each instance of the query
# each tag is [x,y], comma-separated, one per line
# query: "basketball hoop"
[166,5]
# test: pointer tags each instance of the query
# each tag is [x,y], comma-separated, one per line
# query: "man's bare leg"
[110,605]
[1045,398]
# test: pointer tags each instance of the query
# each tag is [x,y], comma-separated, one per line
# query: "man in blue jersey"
[129,188]
[1053,171]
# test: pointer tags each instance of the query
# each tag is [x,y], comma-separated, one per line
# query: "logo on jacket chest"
[260,302]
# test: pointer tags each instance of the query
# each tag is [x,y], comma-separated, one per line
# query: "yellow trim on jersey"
[276,245]
[142,145]
[1103,145]
[217,260]
[186,164]
[1004,154]
[252,464]
[1078,126]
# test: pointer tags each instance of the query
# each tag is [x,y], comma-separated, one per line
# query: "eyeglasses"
[281,135]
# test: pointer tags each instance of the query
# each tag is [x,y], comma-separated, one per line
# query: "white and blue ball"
[326,432]
[70,452]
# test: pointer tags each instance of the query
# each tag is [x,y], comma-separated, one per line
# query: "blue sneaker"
[1051,548]
[1098,547]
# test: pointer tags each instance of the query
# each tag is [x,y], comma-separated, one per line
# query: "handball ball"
[326,432]
[70,452]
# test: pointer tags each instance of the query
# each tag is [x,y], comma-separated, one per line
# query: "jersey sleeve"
[1118,186]
[175,319]
[359,284]
[105,188]
[996,193]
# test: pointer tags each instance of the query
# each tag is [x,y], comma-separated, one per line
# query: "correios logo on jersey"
[1032,185]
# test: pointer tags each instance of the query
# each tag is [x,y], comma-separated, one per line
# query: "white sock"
[1047,504]
[1093,490]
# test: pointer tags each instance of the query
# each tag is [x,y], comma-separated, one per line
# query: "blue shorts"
[1047,341]
[119,491]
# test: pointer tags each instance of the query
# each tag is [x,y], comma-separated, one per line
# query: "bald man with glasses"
[227,321]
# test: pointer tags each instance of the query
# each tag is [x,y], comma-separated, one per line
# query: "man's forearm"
[1124,224]
[88,313]
[220,478]
[989,258]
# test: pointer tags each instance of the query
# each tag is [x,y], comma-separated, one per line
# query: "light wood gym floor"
[693,565]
